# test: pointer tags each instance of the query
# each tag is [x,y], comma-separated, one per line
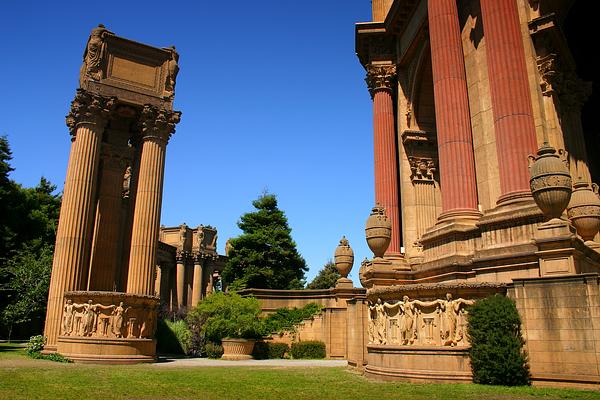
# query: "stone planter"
[584,210]
[344,257]
[237,349]
[378,231]
[550,182]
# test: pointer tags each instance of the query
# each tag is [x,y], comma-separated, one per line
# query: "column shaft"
[180,282]
[73,236]
[386,161]
[511,99]
[146,218]
[158,282]
[455,141]
[197,291]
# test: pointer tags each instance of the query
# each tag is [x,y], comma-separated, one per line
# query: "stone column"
[158,281]
[380,79]
[87,120]
[103,266]
[453,121]
[157,126]
[511,99]
[180,277]
[197,285]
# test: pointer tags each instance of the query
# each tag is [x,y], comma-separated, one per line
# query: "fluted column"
[158,281]
[86,121]
[453,123]
[180,277]
[197,285]
[105,254]
[157,126]
[511,99]
[380,79]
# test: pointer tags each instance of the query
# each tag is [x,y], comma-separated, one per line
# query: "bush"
[308,349]
[213,350]
[173,337]
[284,319]
[227,315]
[269,350]
[36,345]
[497,355]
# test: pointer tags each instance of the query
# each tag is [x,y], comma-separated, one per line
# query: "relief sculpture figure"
[379,322]
[450,311]
[118,315]
[68,314]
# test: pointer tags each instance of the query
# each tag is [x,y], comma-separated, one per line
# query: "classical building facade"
[481,120]
[102,305]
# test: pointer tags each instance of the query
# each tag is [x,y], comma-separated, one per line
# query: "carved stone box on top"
[133,72]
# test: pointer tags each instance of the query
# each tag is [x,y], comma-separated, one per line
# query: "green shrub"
[269,350]
[213,350]
[497,355]
[308,349]
[284,319]
[36,345]
[228,315]
[173,337]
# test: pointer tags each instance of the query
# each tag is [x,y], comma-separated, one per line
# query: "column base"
[514,197]
[464,216]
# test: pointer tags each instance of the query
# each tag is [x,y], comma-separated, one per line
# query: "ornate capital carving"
[421,169]
[89,108]
[380,77]
[158,123]
[549,73]
[572,91]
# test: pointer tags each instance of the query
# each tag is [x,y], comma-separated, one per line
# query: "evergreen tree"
[326,278]
[494,331]
[265,255]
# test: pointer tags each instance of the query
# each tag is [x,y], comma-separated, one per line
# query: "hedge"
[308,349]
[269,350]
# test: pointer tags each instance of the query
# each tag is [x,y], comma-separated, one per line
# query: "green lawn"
[24,378]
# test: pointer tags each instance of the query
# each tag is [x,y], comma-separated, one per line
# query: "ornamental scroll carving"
[572,91]
[158,123]
[89,108]
[94,319]
[380,77]
[439,322]
[421,169]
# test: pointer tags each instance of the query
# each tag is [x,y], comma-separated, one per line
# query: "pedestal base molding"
[107,351]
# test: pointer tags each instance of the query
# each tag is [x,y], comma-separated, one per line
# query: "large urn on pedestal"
[378,231]
[550,182]
[584,209]
[344,257]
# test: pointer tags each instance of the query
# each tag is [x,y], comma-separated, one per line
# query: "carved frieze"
[89,108]
[407,322]
[380,77]
[100,317]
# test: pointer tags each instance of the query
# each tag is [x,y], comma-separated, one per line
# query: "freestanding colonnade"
[102,305]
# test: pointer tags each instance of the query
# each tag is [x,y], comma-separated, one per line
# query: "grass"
[24,378]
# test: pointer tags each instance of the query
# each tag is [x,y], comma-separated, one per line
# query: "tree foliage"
[28,221]
[264,255]
[497,354]
[326,278]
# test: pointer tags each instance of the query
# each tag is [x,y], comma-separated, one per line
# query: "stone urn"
[344,257]
[584,210]
[378,231]
[550,181]
[237,349]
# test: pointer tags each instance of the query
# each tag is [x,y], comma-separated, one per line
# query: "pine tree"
[265,255]
[326,278]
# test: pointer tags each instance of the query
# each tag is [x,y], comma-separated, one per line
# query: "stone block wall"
[561,325]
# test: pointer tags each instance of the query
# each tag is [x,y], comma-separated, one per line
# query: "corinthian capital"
[380,77]
[158,123]
[88,108]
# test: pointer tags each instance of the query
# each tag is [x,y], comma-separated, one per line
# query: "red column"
[379,79]
[455,141]
[511,100]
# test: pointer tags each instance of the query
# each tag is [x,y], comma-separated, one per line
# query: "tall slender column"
[103,266]
[157,126]
[511,99]
[197,286]
[158,281]
[455,141]
[180,276]
[380,79]
[86,121]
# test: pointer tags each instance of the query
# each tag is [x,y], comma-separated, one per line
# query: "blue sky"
[272,97]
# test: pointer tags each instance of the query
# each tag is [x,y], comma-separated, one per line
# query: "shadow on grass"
[12,347]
